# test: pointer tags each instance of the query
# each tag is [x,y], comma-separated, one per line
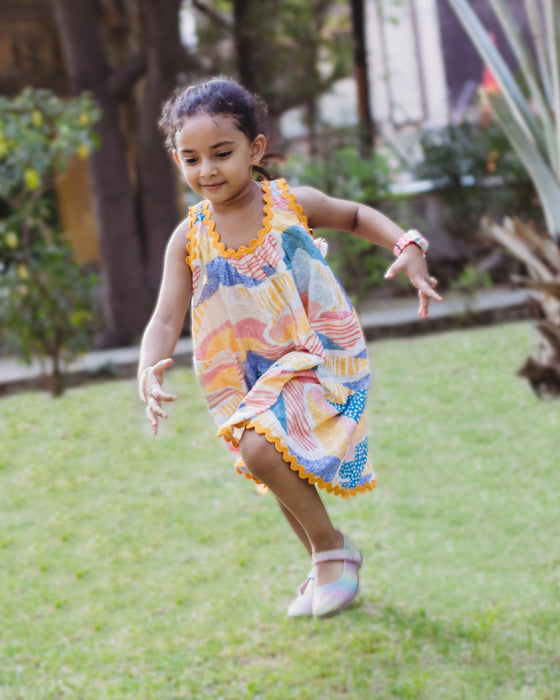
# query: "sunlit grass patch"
[142,568]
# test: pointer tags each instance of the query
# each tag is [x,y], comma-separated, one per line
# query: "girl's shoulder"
[179,239]
[323,211]
[309,201]
[307,197]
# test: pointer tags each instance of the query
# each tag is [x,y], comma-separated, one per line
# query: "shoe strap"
[351,555]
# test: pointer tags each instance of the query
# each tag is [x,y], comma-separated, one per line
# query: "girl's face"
[216,158]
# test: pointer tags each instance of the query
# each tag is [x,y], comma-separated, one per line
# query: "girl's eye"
[223,154]
[189,161]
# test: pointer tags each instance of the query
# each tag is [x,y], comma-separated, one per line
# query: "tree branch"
[121,79]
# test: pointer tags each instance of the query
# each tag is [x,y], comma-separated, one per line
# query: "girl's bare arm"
[164,328]
[323,211]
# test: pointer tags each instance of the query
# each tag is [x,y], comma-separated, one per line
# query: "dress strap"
[194,220]
[289,196]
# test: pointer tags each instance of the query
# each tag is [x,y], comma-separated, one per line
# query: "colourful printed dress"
[278,347]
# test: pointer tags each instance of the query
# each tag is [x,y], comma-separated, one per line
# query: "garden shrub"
[499,184]
[47,301]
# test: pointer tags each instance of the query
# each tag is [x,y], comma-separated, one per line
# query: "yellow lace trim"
[255,243]
[294,206]
[289,458]
[190,238]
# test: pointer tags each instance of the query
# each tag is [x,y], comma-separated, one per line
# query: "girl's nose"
[207,168]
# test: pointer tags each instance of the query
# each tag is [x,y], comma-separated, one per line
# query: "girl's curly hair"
[220,95]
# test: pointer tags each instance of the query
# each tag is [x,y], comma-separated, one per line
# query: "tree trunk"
[127,301]
[365,122]
[157,183]
[245,37]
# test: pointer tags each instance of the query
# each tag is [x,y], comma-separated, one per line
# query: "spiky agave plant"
[530,119]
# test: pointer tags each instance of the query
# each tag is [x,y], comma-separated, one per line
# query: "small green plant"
[471,280]
[344,173]
[468,283]
[47,307]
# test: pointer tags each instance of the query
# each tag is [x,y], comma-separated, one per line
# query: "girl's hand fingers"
[159,395]
[154,394]
[426,291]
[154,411]
[162,365]
[419,278]
[428,288]
[424,305]
[152,418]
[392,271]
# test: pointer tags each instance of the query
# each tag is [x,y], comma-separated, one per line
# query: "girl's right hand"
[151,392]
[412,262]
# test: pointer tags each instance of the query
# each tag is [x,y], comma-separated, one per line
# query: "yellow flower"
[37,118]
[83,151]
[32,179]
[3,146]
[11,239]
[23,273]
[84,118]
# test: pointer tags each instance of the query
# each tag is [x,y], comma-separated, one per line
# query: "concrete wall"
[405,57]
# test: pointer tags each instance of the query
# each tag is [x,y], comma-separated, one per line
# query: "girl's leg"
[298,497]
[296,527]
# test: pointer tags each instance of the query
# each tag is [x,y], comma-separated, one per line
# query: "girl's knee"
[259,455]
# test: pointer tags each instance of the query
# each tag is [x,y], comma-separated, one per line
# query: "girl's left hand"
[151,392]
[412,262]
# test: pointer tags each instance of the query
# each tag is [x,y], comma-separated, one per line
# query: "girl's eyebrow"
[216,145]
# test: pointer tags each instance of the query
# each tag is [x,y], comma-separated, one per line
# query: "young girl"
[278,348]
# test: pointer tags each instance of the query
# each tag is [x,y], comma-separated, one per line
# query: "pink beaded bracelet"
[408,238]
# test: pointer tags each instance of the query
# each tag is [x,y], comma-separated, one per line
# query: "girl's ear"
[176,159]
[258,147]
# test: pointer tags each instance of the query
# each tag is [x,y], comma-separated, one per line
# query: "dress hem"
[292,462]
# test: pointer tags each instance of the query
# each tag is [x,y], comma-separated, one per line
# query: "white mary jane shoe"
[303,604]
[332,598]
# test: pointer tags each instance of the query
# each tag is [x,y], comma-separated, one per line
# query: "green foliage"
[39,132]
[345,174]
[468,148]
[498,181]
[47,308]
[46,305]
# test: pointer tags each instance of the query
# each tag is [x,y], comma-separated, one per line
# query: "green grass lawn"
[140,568]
